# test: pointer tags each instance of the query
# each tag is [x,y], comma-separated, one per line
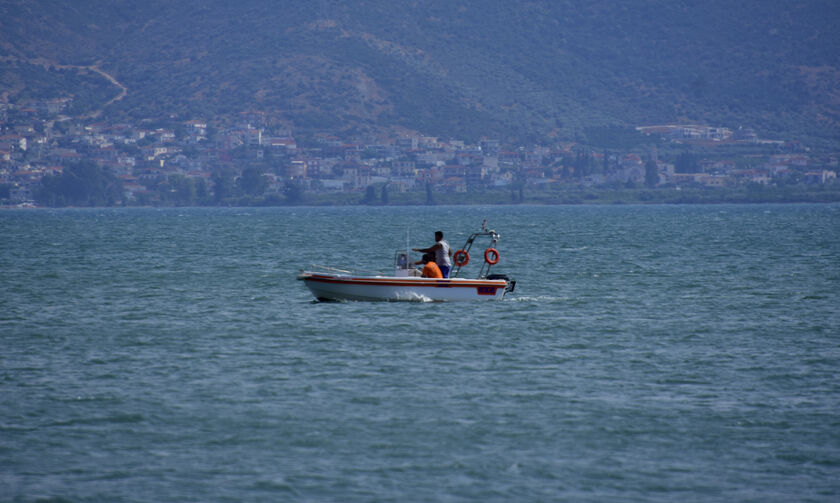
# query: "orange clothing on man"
[431,270]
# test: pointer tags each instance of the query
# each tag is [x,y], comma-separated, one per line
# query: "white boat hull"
[392,288]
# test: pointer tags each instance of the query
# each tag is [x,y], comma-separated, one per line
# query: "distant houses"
[149,158]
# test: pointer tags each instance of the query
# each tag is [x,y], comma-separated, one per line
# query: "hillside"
[524,71]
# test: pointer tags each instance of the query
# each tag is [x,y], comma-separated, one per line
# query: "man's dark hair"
[438,235]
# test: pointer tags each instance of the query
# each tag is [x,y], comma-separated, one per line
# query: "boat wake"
[540,298]
[415,297]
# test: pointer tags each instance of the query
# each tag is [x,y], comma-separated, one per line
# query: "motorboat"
[406,284]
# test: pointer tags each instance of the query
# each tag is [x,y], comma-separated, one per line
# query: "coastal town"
[191,161]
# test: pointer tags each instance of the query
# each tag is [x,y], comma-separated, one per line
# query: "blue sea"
[649,353]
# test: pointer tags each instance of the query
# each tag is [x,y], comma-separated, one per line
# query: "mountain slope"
[518,70]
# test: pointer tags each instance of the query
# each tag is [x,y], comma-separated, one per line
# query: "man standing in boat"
[442,253]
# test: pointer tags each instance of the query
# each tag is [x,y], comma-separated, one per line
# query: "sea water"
[649,353]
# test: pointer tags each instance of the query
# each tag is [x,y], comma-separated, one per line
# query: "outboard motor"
[511,283]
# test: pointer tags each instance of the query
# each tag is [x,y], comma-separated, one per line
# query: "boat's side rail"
[335,270]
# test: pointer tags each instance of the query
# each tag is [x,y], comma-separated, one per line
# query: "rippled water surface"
[648,354]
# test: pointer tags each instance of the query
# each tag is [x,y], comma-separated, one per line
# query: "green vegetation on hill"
[523,71]
[30,83]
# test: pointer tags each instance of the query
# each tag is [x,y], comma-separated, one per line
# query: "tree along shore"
[85,186]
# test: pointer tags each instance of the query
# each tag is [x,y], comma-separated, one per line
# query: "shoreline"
[570,197]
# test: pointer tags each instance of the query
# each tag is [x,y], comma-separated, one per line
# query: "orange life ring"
[491,252]
[461,258]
